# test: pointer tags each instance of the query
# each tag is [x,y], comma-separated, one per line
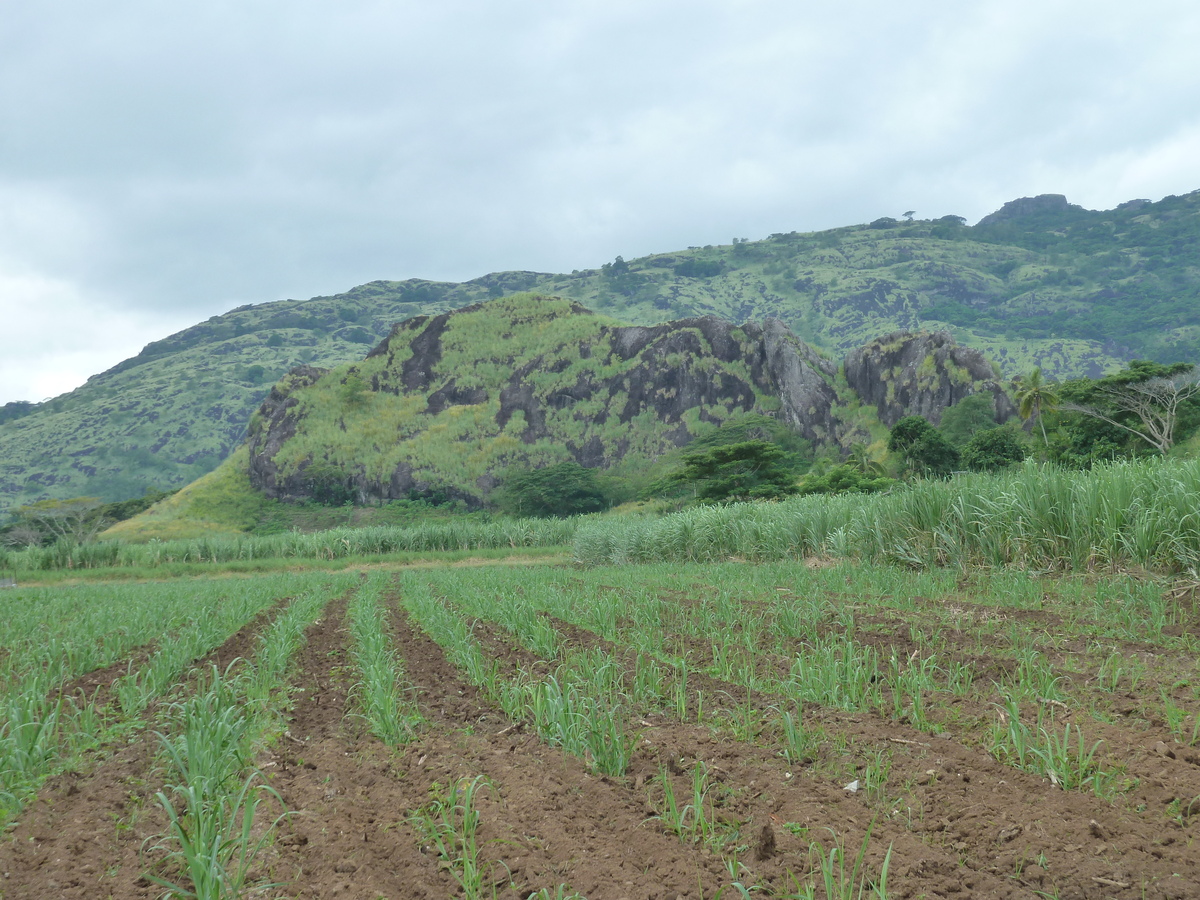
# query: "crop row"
[212,794]
[55,637]
[792,647]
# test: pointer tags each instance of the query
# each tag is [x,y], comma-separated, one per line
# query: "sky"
[161,163]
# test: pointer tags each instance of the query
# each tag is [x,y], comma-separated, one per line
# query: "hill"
[447,404]
[1039,282]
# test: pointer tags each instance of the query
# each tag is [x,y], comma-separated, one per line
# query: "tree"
[1145,400]
[922,445]
[749,470]
[908,214]
[615,269]
[77,520]
[19,535]
[328,485]
[563,489]
[1035,397]
[859,459]
[967,417]
[992,450]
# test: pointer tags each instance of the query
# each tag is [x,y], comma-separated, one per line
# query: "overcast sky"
[164,162]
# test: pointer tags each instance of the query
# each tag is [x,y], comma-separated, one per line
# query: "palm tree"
[860,459]
[1034,397]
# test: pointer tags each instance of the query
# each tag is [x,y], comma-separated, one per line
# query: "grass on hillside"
[221,502]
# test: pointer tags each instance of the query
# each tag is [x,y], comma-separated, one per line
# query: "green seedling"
[450,823]
[830,876]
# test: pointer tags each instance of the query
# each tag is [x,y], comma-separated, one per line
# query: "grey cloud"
[195,157]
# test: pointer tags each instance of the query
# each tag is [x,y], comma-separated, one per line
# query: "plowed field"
[695,732]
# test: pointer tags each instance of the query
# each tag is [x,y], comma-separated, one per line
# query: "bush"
[698,268]
[968,417]
[845,479]
[993,450]
[922,445]
[563,489]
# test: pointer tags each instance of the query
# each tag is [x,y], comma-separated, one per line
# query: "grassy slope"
[221,502]
[1076,293]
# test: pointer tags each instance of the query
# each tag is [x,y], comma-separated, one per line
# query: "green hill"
[1041,282]
[449,405]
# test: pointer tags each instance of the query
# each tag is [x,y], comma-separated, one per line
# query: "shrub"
[845,479]
[922,445]
[563,489]
[993,450]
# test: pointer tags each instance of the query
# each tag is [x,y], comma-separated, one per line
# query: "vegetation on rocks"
[1040,284]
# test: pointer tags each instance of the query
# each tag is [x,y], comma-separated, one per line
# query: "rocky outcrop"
[922,373]
[801,378]
[476,391]
[1025,207]
[273,425]
[617,390]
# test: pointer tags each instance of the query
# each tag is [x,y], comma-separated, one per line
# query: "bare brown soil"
[83,837]
[958,822]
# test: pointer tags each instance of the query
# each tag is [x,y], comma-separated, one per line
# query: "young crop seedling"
[210,806]
[694,822]
[800,744]
[450,824]
[829,875]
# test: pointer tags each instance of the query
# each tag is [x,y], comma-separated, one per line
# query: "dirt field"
[958,821]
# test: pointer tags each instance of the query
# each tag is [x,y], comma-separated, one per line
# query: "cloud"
[56,321]
[169,163]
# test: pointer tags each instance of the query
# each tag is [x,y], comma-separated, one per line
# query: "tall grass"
[1142,513]
[337,543]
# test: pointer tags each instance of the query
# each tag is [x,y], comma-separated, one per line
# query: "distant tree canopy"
[77,520]
[16,409]
[845,479]
[621,278]
[798,452]
[563,489]
[749,470]
[923,447]
[698,268]
[1150,402]
[966,418]
[795,453]
[993,449]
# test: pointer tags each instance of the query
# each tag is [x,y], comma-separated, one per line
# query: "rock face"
[1029,206]
[446,403]
[274,423]
[921,373]
[598,394]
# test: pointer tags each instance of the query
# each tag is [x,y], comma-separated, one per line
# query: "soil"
[958,822]
[84,836]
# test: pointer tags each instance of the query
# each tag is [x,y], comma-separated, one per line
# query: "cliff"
[922,373]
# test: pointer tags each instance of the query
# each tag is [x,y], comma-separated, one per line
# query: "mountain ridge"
[1074,291]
